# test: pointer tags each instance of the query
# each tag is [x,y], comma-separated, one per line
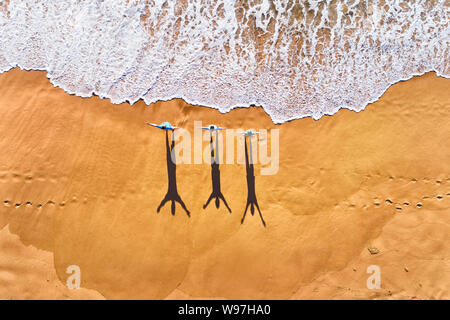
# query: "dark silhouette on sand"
[215,176]
[251,194]
[172,192]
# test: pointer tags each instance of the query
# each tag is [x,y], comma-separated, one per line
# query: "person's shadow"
[172,192]
[215,176]
[251,194]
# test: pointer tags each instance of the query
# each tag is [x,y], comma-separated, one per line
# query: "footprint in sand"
[7,203]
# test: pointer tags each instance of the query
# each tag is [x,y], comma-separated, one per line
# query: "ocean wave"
[294,58]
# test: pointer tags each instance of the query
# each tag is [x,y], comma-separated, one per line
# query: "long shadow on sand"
[215,176]
[172,192]
[251,194]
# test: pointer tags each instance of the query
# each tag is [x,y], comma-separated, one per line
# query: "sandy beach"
[81,179]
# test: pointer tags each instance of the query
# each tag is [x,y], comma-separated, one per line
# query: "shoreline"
[233,107]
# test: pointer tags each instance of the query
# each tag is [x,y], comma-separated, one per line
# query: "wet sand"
[81,178]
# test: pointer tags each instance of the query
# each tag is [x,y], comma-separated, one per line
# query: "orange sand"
[100,174]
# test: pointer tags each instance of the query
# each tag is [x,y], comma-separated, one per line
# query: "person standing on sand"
[172,192]
[215,171]
[251,193]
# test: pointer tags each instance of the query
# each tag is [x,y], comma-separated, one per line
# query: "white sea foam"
[294,58]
